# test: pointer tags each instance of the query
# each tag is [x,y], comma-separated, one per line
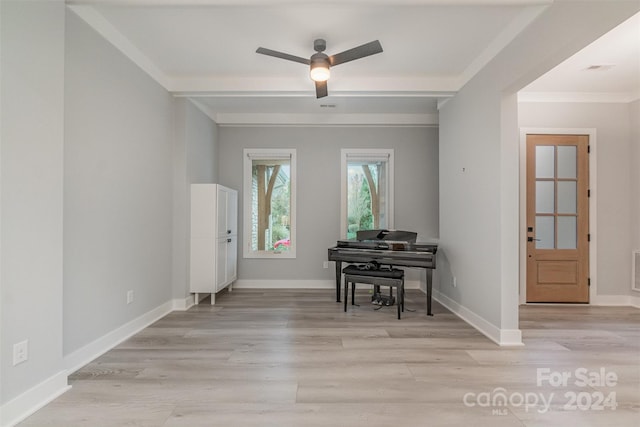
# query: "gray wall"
[634,140]
[31,153]
[478,132]
[91,149]
[118,180]
[470,203]
[195,148]
[617,162]
[202,146]
[318,197]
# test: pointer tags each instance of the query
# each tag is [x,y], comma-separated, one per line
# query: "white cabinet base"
[213,295]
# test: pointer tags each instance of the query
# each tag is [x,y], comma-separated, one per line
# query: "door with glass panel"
[557,218]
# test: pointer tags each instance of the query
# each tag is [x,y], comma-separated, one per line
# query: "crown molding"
[277,2]
[103,27]
[373,86]
[580,97]
[311,119]
[506,36]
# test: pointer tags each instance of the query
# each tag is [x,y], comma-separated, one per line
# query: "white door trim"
[593,182]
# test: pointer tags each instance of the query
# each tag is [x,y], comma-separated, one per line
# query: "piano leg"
[338,279]
[429,290]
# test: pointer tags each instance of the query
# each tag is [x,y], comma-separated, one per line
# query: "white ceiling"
[607,70]
[206,49]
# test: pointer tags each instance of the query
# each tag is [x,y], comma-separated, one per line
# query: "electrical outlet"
[129,297]
[325,264]
[20,352]
[454,282]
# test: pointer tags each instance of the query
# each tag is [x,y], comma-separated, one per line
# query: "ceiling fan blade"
[281,55]
[321,89]
[366,49]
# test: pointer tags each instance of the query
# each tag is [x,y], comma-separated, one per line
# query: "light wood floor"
[294,358]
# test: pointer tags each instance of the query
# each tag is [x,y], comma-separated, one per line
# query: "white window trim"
[365,153]
[264,153]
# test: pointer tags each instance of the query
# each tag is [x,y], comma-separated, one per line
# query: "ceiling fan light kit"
[320,63]
[320,68]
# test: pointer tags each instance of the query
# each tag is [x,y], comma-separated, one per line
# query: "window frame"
[347,154]
[249,154]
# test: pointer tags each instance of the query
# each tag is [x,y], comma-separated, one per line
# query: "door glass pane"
[567,158]
[567,197]
[544,197]
[545,231]
[545,160]
[567,232]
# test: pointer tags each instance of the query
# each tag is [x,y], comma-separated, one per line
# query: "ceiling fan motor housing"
[319,45]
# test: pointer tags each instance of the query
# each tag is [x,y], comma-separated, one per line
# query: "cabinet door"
[203,208]
[232,212]
[221,212]
[221,264]
[202,271]
[232,258]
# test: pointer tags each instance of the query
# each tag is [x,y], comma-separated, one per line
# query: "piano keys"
[385,248]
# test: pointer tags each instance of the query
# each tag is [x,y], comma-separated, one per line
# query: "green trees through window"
[367,177]
[271,184]
[269,203]
[362,189]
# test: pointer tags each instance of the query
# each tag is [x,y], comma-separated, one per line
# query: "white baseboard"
[20,407]
[615,300]
[184,303]
[300,284]
[29,402]
[510,338]
[502,337]
[283,284]
[84,355]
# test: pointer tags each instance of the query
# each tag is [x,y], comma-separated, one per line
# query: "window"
[367,190]
[269,203]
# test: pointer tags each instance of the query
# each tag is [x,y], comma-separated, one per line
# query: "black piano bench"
[394,278]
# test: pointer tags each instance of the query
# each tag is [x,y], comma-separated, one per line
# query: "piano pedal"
[376,298]
[379,299]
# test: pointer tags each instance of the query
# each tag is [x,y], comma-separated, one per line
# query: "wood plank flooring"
[294,358]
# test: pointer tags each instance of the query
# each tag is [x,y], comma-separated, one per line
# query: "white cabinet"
[214,239]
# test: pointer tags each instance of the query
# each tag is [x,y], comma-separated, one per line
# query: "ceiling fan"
[320,62]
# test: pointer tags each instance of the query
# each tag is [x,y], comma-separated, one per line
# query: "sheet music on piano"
[389,235]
